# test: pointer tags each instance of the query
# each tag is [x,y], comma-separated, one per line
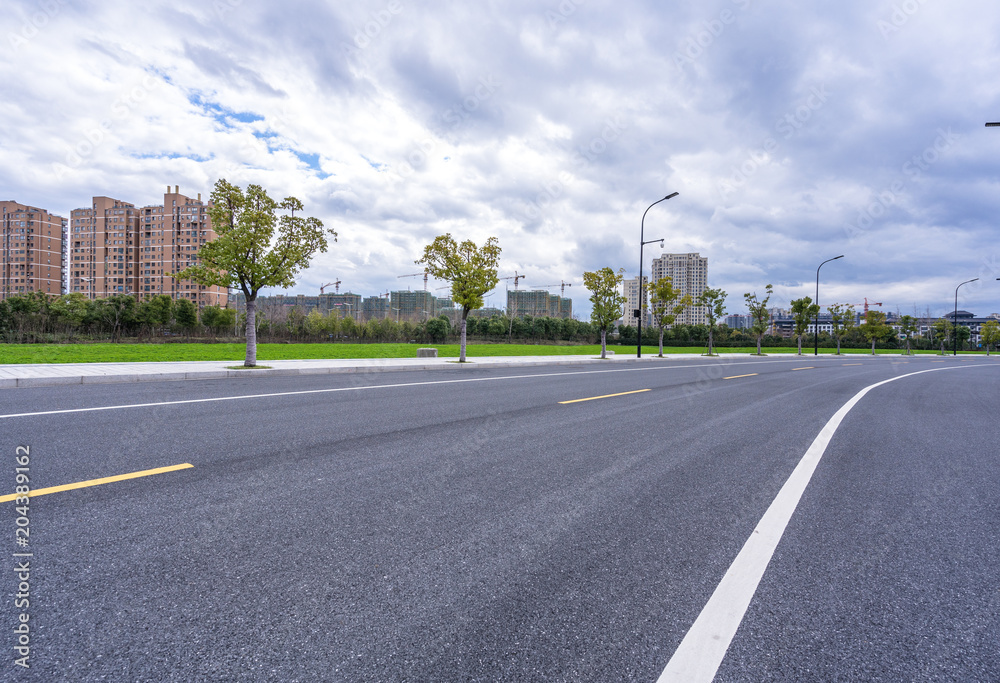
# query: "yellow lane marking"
[97,482]
[738,376]
[594,398]
[809,368]
[937,361]
[847,364]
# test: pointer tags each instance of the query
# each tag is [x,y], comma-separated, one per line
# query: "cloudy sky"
[794,132]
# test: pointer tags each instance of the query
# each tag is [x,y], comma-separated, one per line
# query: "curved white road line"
[700,654]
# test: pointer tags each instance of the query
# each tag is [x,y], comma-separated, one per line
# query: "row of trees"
[257,248]
[666,304]
[35,317]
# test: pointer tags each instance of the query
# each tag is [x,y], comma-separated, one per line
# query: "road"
[476,525]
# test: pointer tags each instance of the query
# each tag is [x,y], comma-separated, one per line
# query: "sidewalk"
[54,374]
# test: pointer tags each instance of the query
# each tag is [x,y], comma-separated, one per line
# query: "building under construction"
[538,303]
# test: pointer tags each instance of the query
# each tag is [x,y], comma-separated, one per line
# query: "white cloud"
[787,129]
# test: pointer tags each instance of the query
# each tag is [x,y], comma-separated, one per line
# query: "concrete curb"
[161,374]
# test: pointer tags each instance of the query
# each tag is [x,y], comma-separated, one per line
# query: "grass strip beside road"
[235,352]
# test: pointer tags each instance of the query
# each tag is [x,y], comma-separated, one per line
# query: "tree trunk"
[251,359]
[838,346]
[907,346]
[758,345]
[710,340]
[800,344]
[873,347]
[604,334]
[661,342]
[461,353]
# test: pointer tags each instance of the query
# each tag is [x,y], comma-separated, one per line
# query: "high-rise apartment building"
[168,240]
[116,248]
[32,259]
[413,306]
[102,248]
[374,307]
[689,274]
[631,292]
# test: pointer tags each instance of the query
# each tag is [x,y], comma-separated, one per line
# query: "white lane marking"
[375,386]
[699,655]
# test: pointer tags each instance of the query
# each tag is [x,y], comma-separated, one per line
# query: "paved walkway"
[51,374]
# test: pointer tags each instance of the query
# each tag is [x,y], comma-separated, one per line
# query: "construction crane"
[424,274]
[329,284]
[865,304]
[563,285]
[515,277]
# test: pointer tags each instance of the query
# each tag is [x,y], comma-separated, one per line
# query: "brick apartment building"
[33,258]
[116,248]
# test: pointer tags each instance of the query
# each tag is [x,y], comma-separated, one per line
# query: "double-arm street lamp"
[816,335]
[954,320]
[642,243]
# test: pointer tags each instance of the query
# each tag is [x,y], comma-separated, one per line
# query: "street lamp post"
[954,320]
[816,331]
[642,243]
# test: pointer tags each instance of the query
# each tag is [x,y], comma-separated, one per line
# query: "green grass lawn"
[135,353]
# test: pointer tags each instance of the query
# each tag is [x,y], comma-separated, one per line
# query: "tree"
[907,327]
[874,328]
[218,319]
[759,314]
[71,310]
[315,323]
[437,329]
[841,320]
[157,311]
[666,303]
[963,333]
[989,333]
[804,311]
[607,300]
[248,255]
[942,328]
[471,270]
[118,312]
[186,315]
[714,303]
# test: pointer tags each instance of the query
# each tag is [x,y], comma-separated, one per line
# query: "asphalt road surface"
[488,525]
